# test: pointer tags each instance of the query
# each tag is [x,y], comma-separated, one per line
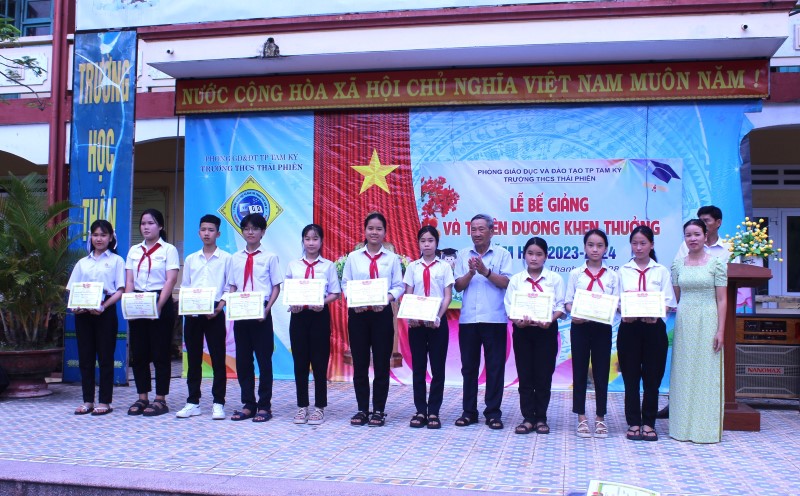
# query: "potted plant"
[34,262]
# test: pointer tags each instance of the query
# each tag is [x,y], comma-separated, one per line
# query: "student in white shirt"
[429,277]
[535,343]
[642,342]
[206,268]
[310,327]
[152,266]
[588,339]
[371,329]
[96,328]
[254,269]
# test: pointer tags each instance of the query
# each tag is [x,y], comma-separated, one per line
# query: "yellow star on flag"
[374,173]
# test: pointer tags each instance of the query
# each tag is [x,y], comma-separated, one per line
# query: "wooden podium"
[738,417]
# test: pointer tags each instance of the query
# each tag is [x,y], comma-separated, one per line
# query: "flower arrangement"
[751,240]
[437,198]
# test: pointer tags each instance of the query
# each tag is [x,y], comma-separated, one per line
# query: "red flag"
[377,145]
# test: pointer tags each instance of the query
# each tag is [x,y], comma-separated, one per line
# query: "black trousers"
[590,341]
[494,338]
[535,351]
[254,337]
[642,352]
[371,331]
[310,337]
[195,329]
[151,341]
[96,336]
[428,342]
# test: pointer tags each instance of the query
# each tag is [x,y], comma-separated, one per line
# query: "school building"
[244,61]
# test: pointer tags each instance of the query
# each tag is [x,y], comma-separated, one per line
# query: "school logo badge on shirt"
[250,198]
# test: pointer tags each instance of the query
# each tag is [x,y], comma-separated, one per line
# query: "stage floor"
[41,440]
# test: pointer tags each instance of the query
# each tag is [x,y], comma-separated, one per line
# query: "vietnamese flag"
[362,163]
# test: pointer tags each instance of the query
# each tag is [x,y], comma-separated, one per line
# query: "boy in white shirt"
[208,267]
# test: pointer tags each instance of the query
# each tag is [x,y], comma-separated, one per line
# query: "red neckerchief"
[426,277]
[248,270]
[310,268]
[595,278]
[146,255]
[373,264]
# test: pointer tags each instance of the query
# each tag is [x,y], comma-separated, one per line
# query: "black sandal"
[495,424]
[434,422]
[156,408]
[359,419]
[244,414]
[418,420]
[542,428]
[464,421]
[650,435]
[377,419]
[138,407]
[524,428]
[634,433]
[262,416]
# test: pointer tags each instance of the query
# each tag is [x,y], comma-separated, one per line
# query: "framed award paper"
[416,307]
[367,292]
[536,306]
[140,306]
[598,307]
[301,292]
[196,301]
[245,306]
[643,304]
[85,295]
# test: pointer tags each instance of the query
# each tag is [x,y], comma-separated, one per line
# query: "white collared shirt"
[579,280]
[266,272]
[212,272]
[324,269]
[152,278]
[550,282]
[482,301]
[356,268]
[108,268]
[657,278]
[441,277]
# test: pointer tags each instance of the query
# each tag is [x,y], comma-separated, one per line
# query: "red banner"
[504,85]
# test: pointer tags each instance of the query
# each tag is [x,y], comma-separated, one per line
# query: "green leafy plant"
[12,68]
[35,259]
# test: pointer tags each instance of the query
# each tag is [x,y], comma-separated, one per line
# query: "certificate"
[367,292]
[309,292]
[643,304]
[245,306]
[599,307]
[196,301]
[534,305]
[417,307]
[85,295]
[139,306]
[617,489]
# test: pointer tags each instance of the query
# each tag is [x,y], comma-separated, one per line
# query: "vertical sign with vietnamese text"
[101,154]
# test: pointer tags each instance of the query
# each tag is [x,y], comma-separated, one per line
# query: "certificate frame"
[536,305]
[85,295]
[301,292]
[203,298]
[416,307]
[597,307]
[245,305]
[367,292]
[650,304]
[140,305]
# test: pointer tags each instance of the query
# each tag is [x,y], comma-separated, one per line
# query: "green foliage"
[10,67]
[35,259]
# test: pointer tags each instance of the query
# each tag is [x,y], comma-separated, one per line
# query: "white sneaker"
[218,411]
[301,417]
[190,410]
[317,416]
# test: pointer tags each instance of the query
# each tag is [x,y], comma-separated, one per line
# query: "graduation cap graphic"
[659,170]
